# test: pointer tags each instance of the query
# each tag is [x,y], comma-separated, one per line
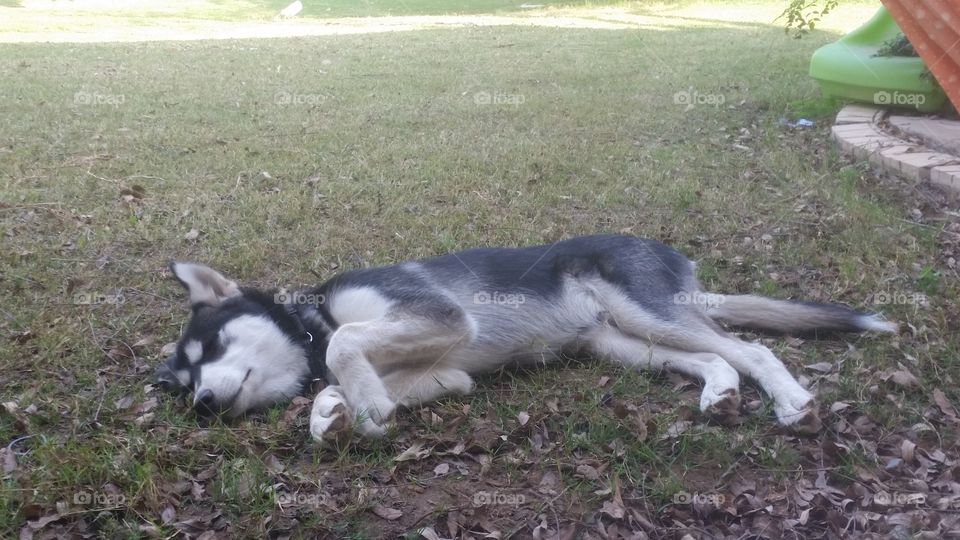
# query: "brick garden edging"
[858,132]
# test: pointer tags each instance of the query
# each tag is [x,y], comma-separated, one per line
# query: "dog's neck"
[314,326]
[308,324]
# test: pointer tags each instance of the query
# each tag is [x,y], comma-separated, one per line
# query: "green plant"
[898,46]
[802,16]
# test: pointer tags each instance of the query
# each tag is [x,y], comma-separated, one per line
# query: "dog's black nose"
[204,403]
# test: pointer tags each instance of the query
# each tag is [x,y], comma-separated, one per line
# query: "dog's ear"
[205,285]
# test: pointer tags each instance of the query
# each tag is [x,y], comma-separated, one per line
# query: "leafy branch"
[802,16]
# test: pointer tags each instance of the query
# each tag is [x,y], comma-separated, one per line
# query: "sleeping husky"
[407,334]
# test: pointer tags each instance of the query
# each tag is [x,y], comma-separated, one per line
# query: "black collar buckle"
[294,313]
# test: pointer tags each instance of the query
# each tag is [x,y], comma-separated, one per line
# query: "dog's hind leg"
[689,329]
[720,397]
[794,405]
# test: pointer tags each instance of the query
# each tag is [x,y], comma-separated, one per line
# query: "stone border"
[857,130]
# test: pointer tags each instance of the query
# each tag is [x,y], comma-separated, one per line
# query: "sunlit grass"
[300,157]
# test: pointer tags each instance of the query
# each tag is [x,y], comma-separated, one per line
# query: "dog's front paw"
[723,406]
[374,420]
[379,410]
[330,420]
[800,414]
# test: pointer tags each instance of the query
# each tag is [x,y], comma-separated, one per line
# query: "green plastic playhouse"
[849,69]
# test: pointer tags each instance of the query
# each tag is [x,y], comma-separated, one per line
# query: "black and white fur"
[409,333]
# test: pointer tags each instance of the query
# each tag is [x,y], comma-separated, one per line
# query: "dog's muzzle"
[165,378]
[205,403]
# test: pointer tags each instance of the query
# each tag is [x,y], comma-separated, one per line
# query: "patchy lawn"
[283,161]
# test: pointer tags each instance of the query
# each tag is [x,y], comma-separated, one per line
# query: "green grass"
[379,147]
[225,10]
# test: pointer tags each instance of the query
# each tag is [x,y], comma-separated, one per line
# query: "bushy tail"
[790,316]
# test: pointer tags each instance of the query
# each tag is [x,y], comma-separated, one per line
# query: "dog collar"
[314,343]
[294,313]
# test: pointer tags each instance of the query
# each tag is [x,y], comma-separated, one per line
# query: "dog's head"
[241,349]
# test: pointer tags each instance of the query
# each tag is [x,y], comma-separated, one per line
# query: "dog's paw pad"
[330,421]
[803,419]
[810,423]
[723,407]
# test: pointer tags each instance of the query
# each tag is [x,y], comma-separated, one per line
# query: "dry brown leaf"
[147,406]
[839,406]
[823,367]
[42,522]
[416,452]
[430,534]
[454,522]
[523,418]
[274,466]
[907,450]
[149,530]
[549,483]
[8,460]
[123,403]
[387,513]
[676,429]
[902,377]
[588,472]
[945,406]
[553,404]
[168,515]
[613,509]
[485,462]
[169,349]
[144,341]
[296,407]
[191,235]
[441,469]
[212,470]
